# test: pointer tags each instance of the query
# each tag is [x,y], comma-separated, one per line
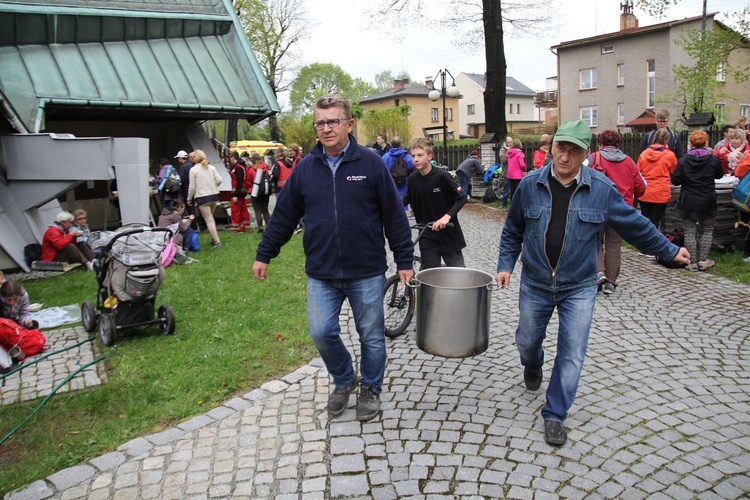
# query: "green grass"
[233,334]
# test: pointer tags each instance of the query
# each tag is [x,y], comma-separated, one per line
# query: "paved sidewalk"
[662,412]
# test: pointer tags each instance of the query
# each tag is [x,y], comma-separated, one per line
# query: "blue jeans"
[324,301]
[575,309]
[463,182]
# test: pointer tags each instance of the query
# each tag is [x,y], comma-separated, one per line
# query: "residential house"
[615,80]
[519,104]
[425,116]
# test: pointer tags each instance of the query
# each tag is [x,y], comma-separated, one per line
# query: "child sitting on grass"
[14,303]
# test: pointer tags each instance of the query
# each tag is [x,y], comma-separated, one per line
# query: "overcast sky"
[343,35]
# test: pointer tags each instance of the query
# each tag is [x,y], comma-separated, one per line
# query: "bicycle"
[398,298]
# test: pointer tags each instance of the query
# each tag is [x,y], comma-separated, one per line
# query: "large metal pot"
[453,311]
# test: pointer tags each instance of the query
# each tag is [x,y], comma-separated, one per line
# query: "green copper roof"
[94,59]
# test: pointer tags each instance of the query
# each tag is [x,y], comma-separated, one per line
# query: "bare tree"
[477,21]
[274,29]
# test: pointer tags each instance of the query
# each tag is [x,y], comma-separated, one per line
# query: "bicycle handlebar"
[424,227]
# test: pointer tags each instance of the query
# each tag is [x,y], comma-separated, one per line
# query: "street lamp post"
[434,95]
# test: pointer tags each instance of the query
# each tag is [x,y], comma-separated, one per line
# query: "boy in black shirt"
[434,197]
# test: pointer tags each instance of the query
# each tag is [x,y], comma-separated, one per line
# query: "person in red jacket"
[733,151]
[238,205]
[59,243]
[621,170]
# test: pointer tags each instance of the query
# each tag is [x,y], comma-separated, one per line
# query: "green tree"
[274,29]
[390,121]
[384,79]
[697,86]
[318,79]
[297,128]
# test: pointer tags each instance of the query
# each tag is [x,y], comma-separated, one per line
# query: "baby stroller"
[129,275]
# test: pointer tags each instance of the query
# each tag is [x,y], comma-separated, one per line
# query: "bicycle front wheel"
[398,304]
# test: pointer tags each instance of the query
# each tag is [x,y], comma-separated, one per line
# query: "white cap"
[181,154]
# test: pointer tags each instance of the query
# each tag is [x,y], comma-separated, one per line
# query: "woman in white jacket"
[204,192]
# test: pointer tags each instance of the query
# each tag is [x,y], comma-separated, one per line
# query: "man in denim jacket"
[555,218]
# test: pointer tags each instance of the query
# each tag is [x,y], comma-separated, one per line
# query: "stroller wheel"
[88,316]
[107,329]
[167,324]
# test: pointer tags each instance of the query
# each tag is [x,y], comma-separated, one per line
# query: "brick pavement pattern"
[662,412]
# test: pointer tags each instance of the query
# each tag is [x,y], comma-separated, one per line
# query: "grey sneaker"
[339,398]
[600,280]
[368,405]
[608,288]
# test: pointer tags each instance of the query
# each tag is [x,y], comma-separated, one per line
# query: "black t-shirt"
[432,196]
[558,218]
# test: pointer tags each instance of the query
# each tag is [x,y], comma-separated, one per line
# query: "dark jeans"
[463,182]
[506,192]
[431,253]
[654,212]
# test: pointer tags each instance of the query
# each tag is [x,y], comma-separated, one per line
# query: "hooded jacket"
[348,216]
[656,164]
[696,172]
[516,164]
[390,158]
[621,170]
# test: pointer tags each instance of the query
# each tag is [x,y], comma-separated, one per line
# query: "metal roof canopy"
[96,61]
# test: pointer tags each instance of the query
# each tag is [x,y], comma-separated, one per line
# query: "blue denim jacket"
[595,203]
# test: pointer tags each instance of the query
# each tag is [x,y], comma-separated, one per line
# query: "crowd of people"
[353,200]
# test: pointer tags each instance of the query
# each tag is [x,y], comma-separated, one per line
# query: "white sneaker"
[746,260]
[90,265]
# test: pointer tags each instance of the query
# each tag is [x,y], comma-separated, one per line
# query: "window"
[518,109]
[510,108]
[745,110]
[588,79]
[434,115]
[608,49]
[620,75]
[449,114]
[720,112]
[720,72]
[621,113]
[588,115]
[471,109]
[651,83]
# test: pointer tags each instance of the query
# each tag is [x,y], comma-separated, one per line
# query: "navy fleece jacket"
[347,216]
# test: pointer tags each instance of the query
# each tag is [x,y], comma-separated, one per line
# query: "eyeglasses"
[662,121]
[332,123]
[80,218]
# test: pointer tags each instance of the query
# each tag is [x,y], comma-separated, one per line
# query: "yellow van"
[260,147]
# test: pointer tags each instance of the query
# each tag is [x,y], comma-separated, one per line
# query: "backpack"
[741,195]
[678,238]
[489,195]
[32,252]
[261,184]
[399,171]
[190,240]
[173,183]
[12,334]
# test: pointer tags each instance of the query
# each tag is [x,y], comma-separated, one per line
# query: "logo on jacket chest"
[355,178]
[437,190]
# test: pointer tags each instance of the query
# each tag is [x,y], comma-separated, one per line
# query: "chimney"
[429,83]
[399,85]
[628,21]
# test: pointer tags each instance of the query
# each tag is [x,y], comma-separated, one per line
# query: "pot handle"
[493,287]
[413,283]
